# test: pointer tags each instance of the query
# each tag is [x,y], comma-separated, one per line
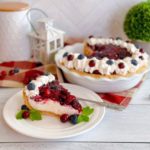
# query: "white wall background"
[81,18]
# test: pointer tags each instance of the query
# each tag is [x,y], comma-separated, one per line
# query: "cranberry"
[141,50]
[92,63]
[141,57]
[76,105]
[64,118]
[121,65]
[69,99]
[91,36]
[25,114]
[11,72]
[47,92]
[3,73]
[96,72]
[70,57]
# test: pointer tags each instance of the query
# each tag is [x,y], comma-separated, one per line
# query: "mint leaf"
[87,111]
[35,115]
[19,114]
[83,118]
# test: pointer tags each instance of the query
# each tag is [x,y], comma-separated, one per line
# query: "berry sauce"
[110,51]
[56,92]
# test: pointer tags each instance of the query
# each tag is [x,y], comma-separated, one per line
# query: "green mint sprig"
[34,115]
[84,116]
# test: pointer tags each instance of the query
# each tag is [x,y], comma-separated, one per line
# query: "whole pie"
[49,97]
[106,57]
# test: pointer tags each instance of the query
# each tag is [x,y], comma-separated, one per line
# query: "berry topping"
[16,70]
[81,56]
[121,65]
[3,73]
[64,118]
[65,54]
[109,62]
[24,107]
[25,114]
[141,57]
[92,63]
[141,50]
[31,86]
[47,93]
[96,72]
[11,72]
[91,36]
[73,119]
[70,57]
[76,105]
[134,62]
[118,38]
[69,99]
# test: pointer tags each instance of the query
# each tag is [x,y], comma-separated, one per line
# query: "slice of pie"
[49,97]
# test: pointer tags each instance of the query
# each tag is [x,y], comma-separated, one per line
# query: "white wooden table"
[129,129]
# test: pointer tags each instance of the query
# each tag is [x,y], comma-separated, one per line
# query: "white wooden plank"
[73,146]
[130,125]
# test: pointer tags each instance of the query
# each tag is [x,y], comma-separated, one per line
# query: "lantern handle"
[29,19]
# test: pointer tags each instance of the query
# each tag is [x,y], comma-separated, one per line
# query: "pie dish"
[103,65]
[46,95]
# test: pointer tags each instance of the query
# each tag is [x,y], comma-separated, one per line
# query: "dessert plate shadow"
[51,127]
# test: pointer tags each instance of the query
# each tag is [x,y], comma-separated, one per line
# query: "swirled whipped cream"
[35,84]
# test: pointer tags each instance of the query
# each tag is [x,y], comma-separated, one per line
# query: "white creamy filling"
[53,106]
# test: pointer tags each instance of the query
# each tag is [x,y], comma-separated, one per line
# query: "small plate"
[51,127]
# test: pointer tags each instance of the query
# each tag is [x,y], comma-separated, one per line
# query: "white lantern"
[46,41]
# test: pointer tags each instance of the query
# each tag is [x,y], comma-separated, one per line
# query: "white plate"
[51,127]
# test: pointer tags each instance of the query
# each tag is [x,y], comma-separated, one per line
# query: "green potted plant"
[137,24]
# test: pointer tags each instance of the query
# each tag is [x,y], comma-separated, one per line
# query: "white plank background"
[129,129]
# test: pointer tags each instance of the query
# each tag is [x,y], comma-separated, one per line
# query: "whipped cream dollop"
[44,79]
[106,66]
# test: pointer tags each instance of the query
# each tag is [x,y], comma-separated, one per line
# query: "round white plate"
[51,127]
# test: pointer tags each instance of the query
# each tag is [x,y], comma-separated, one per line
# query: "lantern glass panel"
[52,45]
[58,43]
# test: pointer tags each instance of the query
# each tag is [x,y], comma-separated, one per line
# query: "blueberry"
[118,38]
[46,73]
[74,119]
[16,70]
[137,46]
[109,62]
[31,86]
[24,107]
[81,56]
[65,54]
[134,62]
